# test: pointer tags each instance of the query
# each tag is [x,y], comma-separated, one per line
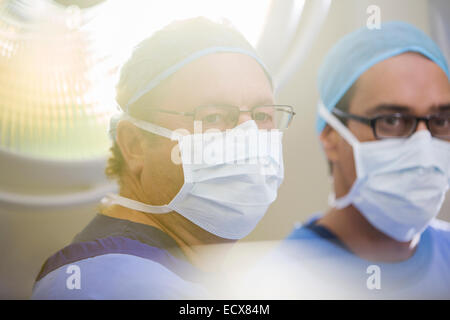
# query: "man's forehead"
[220,66]
[398,66]
[215,79]
[408,80]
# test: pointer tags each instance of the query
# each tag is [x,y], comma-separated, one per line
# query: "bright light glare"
[128,22]
[60,65]
[56,92]
[247,15]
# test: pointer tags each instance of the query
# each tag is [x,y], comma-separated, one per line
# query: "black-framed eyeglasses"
[226,117]
[399,125]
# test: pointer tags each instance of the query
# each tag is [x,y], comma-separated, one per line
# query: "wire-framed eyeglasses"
[224,117]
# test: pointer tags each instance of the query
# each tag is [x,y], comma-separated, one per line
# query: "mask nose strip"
[246,125]
[423,140]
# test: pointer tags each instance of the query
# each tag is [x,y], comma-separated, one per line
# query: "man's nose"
[421,126]
[245,115]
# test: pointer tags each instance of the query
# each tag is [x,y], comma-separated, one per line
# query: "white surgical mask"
[229,190]
[401,183]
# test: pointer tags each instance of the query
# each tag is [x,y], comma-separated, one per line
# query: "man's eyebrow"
[389,108]
[218,103]
[441,108]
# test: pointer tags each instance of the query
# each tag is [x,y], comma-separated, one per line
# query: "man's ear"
[131,143]
[330,139]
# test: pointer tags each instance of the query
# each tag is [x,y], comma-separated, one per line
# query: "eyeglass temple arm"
[175,112]
[192,114]
[351,116]
[280,108]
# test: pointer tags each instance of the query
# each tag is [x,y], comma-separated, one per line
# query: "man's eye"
[213,118]
[442,122]
[392,121]
[262,116]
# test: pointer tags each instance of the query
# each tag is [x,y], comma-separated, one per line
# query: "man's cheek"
[347,163]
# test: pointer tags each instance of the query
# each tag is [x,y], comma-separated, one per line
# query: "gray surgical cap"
[168,50]
[358,51]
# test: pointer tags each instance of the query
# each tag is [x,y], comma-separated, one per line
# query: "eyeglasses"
[226,117]
[400,125]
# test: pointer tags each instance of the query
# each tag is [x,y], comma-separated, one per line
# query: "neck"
[203,249]
[365,241]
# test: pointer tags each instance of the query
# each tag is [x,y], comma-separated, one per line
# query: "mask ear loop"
[343,132]
[115,199]
[331,199]
[337,125]
[351,139]
[150,127]
[111,199]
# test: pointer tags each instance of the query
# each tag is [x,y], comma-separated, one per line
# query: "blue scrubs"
[326,264]
[118,259]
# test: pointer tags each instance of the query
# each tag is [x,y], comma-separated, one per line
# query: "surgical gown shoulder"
[441,232]
[128,270]
[323,260]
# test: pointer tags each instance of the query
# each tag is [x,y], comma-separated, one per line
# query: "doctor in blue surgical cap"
[384,125]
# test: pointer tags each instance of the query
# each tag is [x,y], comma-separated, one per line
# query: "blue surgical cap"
[358,51]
